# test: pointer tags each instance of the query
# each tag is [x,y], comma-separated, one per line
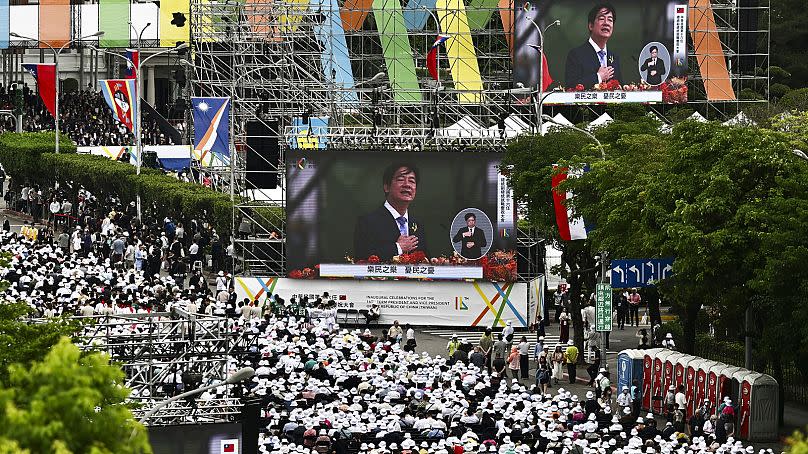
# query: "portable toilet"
[647,378]
[724,387]
[629,368]
[660,387]
[711,390]
[700,369]
[757,409]
[679,368]
[689,364]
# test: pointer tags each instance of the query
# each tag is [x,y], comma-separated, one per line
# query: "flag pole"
[540,97]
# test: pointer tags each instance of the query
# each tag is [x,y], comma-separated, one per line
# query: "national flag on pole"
[131,64]
[121,96]
[211,129]
[45,76]
[569,227]
[545,69]
[432,56]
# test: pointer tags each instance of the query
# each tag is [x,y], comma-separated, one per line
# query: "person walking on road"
[486,345]
[524,357]
[634,301]
[557,360]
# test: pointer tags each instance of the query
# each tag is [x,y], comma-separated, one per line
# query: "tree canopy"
[68,403]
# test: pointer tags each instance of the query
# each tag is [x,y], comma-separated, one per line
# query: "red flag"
[229,447]
[545,69]
[45,76]
[432,56]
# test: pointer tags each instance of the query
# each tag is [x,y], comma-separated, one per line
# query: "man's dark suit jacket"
[583,64]
[478,238]
[376,234]
[659,67]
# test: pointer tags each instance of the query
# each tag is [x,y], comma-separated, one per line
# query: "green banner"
[603,307]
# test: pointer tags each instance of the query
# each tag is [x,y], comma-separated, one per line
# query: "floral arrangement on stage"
[674,90]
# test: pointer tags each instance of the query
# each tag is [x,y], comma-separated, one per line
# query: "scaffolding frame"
[152,347]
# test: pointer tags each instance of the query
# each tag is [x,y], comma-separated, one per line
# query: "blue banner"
[211,130]
[640,272]
[5,22]
[309,136]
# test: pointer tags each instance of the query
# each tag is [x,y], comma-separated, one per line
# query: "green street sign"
[603,307]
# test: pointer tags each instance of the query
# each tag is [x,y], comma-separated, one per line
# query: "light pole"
[800,154]
[603,254]
[240,375]
[56,69]
[540,48]
[138,127]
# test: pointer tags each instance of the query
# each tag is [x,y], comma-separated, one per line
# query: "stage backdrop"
[638,27]
[336,222]
[480,304]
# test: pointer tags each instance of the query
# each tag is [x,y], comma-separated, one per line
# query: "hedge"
[30,156]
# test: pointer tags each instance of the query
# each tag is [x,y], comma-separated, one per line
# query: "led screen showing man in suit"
[592,62]
[471,238]
[390,229]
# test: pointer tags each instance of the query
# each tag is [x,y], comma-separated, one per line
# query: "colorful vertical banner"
[174,22]
[397,51]
[335,59]
[211,130]
[121,97]
[113,18]
[5,18]
[45,76]
[54,22]
[460,51]
[133,59]
[309,135]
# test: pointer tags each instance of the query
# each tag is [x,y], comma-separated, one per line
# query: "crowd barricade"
[754,395]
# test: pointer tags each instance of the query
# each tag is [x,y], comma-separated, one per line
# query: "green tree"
[68,403]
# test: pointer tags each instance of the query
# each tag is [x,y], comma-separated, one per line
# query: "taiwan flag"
[569,227]
[432,56]
[545,69]
[121,97]
[133,56]
[45,76]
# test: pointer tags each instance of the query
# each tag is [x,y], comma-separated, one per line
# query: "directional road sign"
[603,307]
[640,272]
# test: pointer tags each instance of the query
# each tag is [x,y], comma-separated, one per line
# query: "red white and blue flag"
[432,56]
[133,56]
[121,96]
[211,130]
[569,227]
[45,76]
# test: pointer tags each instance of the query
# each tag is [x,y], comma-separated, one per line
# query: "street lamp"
[56,69]
[800,154]
[240,375]
[540,48]
[603,254]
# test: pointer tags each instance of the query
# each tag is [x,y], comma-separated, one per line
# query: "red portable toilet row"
[754,395]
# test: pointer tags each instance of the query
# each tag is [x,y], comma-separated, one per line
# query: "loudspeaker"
[250,415]
[748,15]
[263,154]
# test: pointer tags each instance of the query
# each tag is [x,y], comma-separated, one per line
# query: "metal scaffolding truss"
[153,347]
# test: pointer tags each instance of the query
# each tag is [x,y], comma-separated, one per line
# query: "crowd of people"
[84,117]
[327,389]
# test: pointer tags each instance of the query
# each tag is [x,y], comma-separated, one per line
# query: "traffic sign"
[603,307]
[640,272]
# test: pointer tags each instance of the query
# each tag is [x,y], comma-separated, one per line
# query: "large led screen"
[603,52]
[399,215]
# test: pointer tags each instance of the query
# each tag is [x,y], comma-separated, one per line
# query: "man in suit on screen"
[471,238]
[390,230]
[592,63]
[654,67]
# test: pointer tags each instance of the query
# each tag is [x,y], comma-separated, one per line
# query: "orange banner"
[54,22]
[709,53]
